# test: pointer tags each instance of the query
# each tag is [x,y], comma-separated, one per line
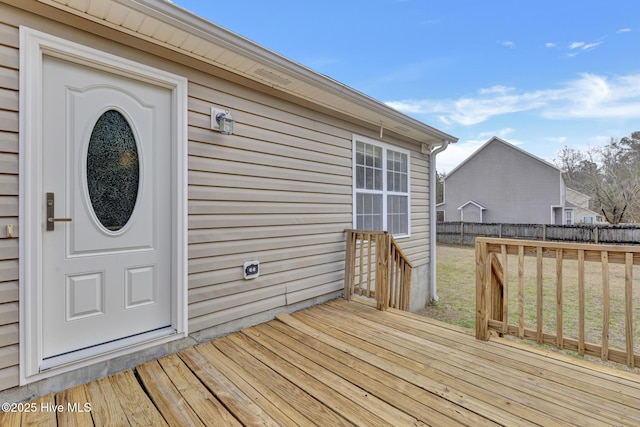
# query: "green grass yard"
[456,291]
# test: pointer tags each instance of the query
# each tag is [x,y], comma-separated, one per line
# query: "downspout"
[433,291]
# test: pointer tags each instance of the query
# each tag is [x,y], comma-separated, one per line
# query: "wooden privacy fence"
[465,233]
[579,297]
[375,267]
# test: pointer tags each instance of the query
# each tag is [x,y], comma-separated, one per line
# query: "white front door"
[107,209]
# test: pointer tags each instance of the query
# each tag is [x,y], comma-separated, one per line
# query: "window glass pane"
[113,170]
[369,212]
[360,176]
[398,214]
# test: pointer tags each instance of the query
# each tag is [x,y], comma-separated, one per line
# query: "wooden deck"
[345,363]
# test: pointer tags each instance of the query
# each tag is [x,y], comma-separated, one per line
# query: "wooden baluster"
[628,307]
[559,303]
[521,291]
[505,290]
[581,302]
[606,305]
[539,295]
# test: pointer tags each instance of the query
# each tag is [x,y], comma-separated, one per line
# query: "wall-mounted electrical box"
[251,269]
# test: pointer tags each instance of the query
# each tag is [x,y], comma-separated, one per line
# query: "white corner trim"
[33,45]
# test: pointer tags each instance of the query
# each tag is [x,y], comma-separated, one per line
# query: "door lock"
[51,221]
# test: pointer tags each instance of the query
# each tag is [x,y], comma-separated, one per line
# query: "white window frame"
[569,217]
[384,192]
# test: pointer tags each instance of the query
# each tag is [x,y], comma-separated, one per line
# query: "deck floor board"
[345,363]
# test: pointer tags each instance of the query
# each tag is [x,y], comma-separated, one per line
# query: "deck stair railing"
[376,267]
[577,297]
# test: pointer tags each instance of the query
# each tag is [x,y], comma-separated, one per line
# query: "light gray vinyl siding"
[9,294]
[278,191]
[513,186]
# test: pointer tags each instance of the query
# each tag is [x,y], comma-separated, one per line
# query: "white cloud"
[624,30]
[576,45]
[589,96]
[508,44]
[550,44]
[557,139]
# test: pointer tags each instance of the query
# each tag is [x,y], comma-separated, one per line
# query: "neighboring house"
[581,212]
[501,183]
[131,227]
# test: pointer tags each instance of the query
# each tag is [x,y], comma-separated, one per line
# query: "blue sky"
[540,74]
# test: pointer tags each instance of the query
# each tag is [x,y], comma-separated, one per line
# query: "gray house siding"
[513,186]
[279,190]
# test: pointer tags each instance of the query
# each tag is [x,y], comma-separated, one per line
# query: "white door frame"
[33,45]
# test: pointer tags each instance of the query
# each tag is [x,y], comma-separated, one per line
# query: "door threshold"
[100,351]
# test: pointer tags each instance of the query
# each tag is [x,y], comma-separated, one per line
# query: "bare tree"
[609,174]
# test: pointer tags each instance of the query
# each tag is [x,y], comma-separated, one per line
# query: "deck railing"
[578,297]
[375,267]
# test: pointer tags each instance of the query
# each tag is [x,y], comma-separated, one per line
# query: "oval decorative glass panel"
[113,170]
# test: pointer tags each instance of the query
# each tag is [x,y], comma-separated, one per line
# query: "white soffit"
[164,23]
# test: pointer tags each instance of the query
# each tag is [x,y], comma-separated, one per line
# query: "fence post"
[461,233]
[596,235]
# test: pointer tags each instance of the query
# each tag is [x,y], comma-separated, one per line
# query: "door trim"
[33,45]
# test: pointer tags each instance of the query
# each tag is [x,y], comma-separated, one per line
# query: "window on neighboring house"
[568,217]
[381,187]
[587,219]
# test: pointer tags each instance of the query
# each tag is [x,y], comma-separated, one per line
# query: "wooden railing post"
[482,301]
[391,286]
[349,264]
[382,271]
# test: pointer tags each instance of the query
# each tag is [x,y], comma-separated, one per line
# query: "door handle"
[51,221]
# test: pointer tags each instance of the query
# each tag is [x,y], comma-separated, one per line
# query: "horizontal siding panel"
[299,132]
[9,292]
[8,205]
[222,235]
[9,185]
[265,220]
[214,165]
[235,300]
[9,34]
[9,334]
[9,313]
[9,163]
[9,121]
[269,255]
[9,78]
[9,142]
[9,99]
[315,292]
[216,249]
[251,153]
[222,289]
[8,270]
[271,273]
[9,377]
[267,182]
[319,280]
[198,207]
[225,316]
[9,57]
[230,194]
[9,356]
